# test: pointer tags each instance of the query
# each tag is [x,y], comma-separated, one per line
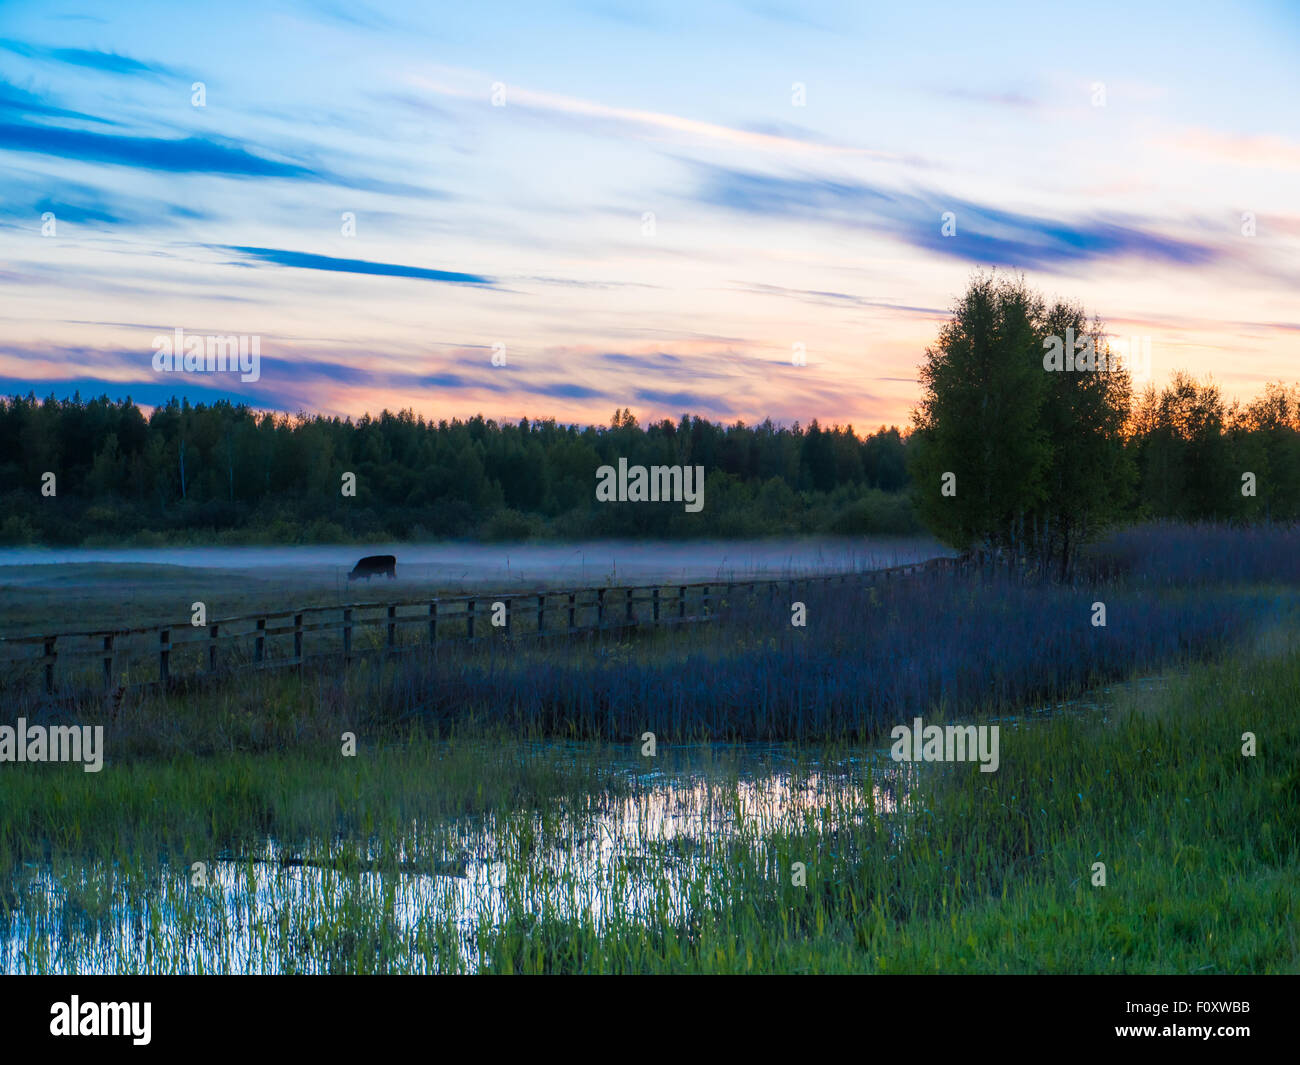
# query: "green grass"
[201,805]
[41,599]
[977,873]
[1199,843]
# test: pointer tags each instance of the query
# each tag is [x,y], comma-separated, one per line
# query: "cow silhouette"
[373,565]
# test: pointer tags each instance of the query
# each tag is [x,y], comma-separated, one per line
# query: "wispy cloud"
[145,393]
[657,125]
[23,102]
[984,234]
[1006,98]
[301,260]
[106,62]
[823,298]
[685,401]
[180,155]
[188,155]
[27,196]
[1271,152]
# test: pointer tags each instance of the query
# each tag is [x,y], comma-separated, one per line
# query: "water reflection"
[647,854]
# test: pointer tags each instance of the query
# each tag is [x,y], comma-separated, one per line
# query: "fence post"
[469,619]
[49,665]
[705,601]
[212,648]
[392,629]
[347,634]
[108,663]
[164,655]
[297,639]
[654,599]
[600,607]
[433,622]
[681,601]
[630,615]
[572,609]
[541,613]
[259,645]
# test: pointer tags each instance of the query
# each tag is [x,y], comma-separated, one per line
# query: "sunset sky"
[637,202]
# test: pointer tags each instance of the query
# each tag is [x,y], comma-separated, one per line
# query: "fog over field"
[501,565]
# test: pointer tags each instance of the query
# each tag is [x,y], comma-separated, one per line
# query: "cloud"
[569,282]
[355,14]
[1265,151]
[658,362]
[79,214]
[301,260]
[707,365]
[564,391]
[790,15]
[27,197]
[149,394]
[831,299]
[106,62]
[1010,98]
[684,401]
[191,155]
[22,102]
[655,125]
[984,234]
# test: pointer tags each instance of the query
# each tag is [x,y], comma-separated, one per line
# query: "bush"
[16,529]
[507,524]
[877,514]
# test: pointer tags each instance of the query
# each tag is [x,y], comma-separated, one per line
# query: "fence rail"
[68,662]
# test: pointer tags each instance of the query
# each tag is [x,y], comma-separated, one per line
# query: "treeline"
[227,473]
[1022,455]
[1040,462]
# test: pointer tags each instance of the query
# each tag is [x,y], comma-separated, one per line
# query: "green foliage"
[207,471]
[979,418]
[1046,459]
[1089,475]
[1037,448]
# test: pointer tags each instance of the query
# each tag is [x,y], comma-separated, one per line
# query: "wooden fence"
[168,654]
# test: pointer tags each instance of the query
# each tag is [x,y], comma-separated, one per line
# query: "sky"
[736,210]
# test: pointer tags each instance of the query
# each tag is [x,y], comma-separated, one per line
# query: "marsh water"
[617,856]
[643,851]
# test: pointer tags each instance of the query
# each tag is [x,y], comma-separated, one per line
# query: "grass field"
[42,593]
[500,812]
[84,596]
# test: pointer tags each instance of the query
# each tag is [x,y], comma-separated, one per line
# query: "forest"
[220,473]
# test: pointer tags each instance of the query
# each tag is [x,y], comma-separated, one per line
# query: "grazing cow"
[373,565]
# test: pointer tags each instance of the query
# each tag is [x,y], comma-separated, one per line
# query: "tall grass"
[866,659]
[1201,847]
[466,835]
[1173,554]
[971,873]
